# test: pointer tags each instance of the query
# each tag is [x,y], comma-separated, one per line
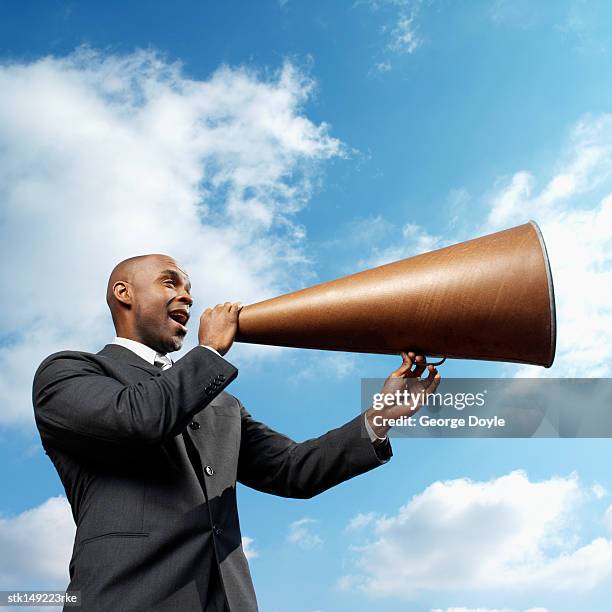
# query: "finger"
[227,305]
[405,367]
[420,362]
[434,385]
[235,309]
[430,378]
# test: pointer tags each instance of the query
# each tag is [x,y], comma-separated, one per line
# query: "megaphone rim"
[551,293]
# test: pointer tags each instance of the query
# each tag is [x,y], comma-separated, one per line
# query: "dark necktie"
[162,361]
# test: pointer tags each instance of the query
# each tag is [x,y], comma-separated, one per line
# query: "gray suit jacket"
[150,460]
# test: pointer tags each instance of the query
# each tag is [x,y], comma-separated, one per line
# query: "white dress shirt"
[151,355]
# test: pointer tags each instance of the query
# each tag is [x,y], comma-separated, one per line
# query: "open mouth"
[181,317]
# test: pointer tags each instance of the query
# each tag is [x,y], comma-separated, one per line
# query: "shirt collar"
[142,350]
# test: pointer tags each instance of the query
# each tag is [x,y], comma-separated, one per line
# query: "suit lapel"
[120,353]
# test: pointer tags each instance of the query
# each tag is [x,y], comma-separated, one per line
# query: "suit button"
[194,425]
[209,470]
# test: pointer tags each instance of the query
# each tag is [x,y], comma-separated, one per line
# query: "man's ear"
[123,292]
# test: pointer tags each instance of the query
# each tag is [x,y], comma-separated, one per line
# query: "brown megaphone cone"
[490,298]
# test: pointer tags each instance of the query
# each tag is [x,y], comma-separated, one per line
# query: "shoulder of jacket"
[70,356]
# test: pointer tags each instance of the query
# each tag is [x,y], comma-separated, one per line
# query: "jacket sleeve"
[77,403]
[273,463]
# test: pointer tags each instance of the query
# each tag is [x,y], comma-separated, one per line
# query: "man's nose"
[186,298]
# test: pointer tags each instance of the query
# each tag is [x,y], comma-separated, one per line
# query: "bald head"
[141,291]
[122,272]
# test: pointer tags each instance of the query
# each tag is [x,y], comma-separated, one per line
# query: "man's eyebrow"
[176,276]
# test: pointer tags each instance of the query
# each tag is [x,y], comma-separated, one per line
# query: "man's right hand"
[218,326]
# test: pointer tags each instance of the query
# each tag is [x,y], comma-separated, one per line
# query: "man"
[149,451]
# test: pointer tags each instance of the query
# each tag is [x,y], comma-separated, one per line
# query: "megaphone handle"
[435,364]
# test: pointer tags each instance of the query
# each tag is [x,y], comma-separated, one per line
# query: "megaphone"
[490,298]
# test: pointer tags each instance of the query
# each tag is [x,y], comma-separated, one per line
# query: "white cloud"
[317,364]
[507,533]
[302,535]
[574,210]
[247,547]
[359,521]
[412,239]
[599,491]
[608,518]
[36,546]
[400,29]
[384,66]
[381,241]
[458,201]
[404,36]
[107,156]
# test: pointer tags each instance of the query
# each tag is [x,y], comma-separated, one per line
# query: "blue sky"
[271,145]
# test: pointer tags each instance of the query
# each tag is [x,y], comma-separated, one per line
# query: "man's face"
[161,301]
